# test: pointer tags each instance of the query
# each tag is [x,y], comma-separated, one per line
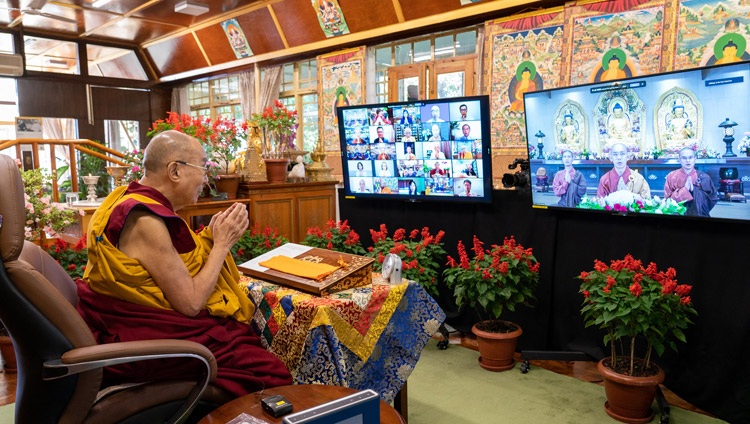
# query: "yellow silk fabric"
[112,273]
[299,267]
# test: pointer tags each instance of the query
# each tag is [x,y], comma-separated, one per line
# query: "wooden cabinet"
[289,207]
[292,207]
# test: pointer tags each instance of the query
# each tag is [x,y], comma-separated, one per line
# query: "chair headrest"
[12,209]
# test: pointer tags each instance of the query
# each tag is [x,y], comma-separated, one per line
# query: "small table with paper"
[310,269]
[366,336]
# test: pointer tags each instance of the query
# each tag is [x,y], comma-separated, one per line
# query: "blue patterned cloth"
[365,338]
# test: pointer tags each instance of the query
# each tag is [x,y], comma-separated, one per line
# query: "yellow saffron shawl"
[111,273]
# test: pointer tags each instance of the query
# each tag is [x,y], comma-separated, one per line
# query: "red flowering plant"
[494,279]
[338,236]
[222,138]
[255,242]
[72,257]
[279,126]
[421,254]
[631,302]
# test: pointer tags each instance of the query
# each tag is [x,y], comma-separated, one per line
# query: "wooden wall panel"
[52,98]
[298,21]
[215,44]
[176,55]
[116,103]
[414,9]
[260,31]
[362,15]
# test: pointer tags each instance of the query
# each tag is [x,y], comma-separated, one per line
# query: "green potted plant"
[338,236]
[421,254]
[42,215]
[492,281]
[634,304]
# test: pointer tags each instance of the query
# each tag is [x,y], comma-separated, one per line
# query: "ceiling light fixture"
[190,8]
[99,3]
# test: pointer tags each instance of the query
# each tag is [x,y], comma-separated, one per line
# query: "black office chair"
[59,361]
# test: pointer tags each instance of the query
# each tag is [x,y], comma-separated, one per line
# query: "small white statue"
[298,170]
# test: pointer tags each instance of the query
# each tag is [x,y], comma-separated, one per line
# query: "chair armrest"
[98,356]
[103,355]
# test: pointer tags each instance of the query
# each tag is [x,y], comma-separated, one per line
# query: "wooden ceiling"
[177,46]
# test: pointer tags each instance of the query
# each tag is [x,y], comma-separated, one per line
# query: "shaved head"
[169,146]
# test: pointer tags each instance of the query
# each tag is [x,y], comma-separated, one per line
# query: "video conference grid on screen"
[415,149]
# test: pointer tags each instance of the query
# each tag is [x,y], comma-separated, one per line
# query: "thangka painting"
[526,53]
[236,38]
[613,46]
[712,32]
[342,84]
[330,17]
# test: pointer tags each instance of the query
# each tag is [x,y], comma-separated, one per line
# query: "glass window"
[287,77]
[198,94]
[48,55]
[114,62]
[422,51]
[216,97]
[299,92]
[309,121]
[6,43]
[466,43]
[121,135]
[444,47]
[403,54]
[308,74]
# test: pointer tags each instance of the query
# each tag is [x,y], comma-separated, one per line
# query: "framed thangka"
[236,38]
[330,17]
[525,55]
[342,84]
[712,32]
[613,46]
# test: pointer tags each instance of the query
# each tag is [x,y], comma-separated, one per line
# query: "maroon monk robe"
[244,365]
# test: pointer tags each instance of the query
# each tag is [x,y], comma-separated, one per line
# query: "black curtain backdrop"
[711,370]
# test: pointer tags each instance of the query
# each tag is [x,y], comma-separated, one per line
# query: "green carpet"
[449,386]
[6,413]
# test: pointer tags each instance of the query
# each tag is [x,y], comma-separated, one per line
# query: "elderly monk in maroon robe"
[691,186]
[621,177]
[149,276]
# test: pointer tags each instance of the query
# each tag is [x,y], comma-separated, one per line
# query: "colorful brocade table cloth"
[364,338]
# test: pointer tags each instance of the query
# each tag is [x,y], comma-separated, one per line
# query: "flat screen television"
[672,144]
[437,150]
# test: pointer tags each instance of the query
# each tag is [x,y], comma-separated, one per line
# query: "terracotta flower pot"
[229,184]
[9,355]
[276,170]
[629,398]
[496,350]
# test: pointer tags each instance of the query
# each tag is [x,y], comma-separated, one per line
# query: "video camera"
[521,177]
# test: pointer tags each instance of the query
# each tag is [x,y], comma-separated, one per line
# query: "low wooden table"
[302,396]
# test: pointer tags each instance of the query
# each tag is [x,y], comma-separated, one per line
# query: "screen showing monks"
[673,144]
[435,149]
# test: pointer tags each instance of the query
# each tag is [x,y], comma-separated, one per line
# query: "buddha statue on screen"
[569,134]
[620,129]
[678,121]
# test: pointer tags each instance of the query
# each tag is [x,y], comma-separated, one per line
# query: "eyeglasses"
[203,168]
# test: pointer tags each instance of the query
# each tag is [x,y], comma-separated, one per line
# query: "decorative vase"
[228,183]
[629,398]
[276,170]
[496,349]
[9,355]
